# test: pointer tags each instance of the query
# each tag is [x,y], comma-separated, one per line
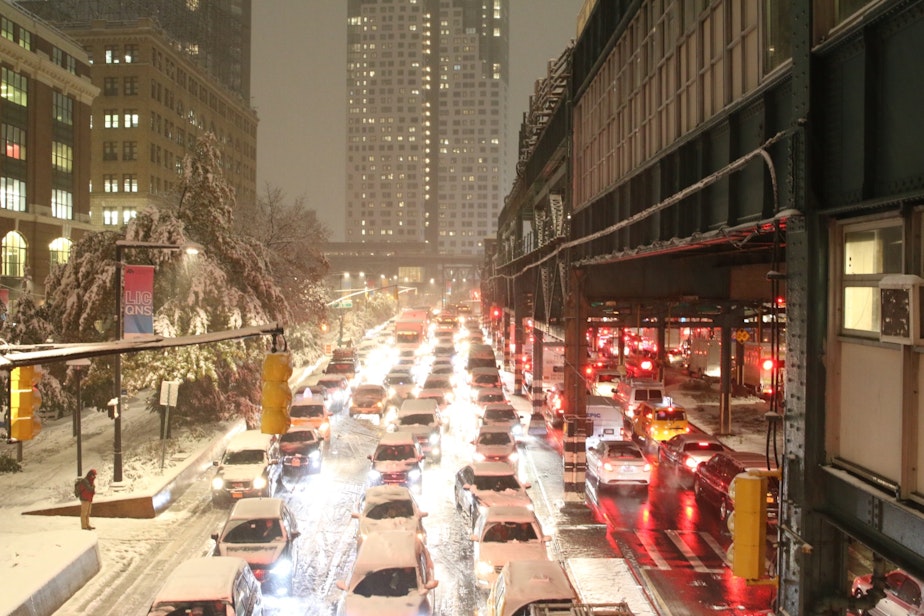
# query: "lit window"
[111,119]
[14,142]
[111,216]
[870,252]
[13,248]
[12,194]
[62,157]
[110,184]
[59,251]
[62,204]
[130,183]
[62,108]
[14,87]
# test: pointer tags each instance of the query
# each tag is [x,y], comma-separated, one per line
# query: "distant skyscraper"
[427,106]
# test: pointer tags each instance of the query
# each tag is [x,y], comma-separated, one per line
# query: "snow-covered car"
[389,507]
[484,377]
[400,385]
[369,399]
[311,413]
[503,414]
[300,449]
[503,534]
[249,467]
[487,395]
[523,583]
[393,575]
[618,463]
[421,418]
[336,390]
[262,531]
[495,444]
[396,460]
[196,585]
[488,484]
[903,593]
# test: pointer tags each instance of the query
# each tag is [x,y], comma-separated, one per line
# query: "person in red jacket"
[87,490]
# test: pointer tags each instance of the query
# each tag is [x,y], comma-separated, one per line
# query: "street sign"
[346,303]
[168,393]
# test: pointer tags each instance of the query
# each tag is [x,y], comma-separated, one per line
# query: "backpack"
[77,486]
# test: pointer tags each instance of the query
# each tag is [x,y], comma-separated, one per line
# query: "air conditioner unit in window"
[900,305]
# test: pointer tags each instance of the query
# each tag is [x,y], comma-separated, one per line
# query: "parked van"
[606,415]
[207,583]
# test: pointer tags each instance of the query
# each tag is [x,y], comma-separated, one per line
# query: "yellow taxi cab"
[660,422]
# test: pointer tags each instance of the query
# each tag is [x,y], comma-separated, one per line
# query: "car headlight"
[513,457]
[435,438]
[314,455]
[517,429]
[374,475]
[259,483]
[483,568]
[282,568]
[478,456]
[218,483]
[413,474]
[392,391]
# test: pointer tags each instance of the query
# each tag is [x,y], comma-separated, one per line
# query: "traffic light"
[277,397]
[748,525]
[25,400]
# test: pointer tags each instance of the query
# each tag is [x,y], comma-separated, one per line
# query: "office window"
[110,151]
[127,215]
[14,142]
[62,157]
[130,86]
[111,216]
[129,150]
[14,87]
[110,183]
[6,29]
[870,251]
[59,251]
[25,39]
[130,54]
[131,118]
[13,248]
[111,86]
[111,118]
[62,204]
[62,108]
[12,194]
[112,54]
[130,183]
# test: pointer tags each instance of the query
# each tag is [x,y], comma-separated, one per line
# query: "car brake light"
[647,365]
[691,464]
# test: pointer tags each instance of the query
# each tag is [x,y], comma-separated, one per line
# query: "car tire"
[723,509]
[697,490]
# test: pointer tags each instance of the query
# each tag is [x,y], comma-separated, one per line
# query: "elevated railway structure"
[706,164]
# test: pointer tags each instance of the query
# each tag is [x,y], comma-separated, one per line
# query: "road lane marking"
[644,538]
[678,541]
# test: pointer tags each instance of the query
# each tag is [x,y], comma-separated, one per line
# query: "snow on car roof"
[535,580]
[207,577]
[509,513]
[494,428]
[385,550]
[493,468]
[397,438]
[249,439]
[250,508]
[383,494]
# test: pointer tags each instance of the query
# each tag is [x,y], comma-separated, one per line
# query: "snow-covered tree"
[228,285]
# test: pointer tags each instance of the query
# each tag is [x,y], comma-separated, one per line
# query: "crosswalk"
[667,550]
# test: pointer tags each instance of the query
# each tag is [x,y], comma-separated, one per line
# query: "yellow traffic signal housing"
[748,525]
[277,396]
[25,400]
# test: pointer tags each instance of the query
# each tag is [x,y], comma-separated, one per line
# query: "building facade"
[427,90]
[45,107]
[154,104]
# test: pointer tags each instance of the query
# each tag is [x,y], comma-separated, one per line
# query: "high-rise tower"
[427,100]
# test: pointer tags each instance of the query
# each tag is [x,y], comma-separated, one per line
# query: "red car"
[902,593]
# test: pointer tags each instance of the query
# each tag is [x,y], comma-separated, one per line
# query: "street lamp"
[189,248]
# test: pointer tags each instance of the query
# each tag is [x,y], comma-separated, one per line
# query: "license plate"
[296,462]
[237,494]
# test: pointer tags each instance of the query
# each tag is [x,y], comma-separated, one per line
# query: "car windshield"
[491,398]
[437,384]
[673,415]
[500,415]
[297,437]
[496,483]
[622,450]
[649,395]
[399,379]
[244,456]
[486,379]
[306,411]
[390,509]
[395,452]
[494,438]
[504,532]
[252,531]
[417,419]
[395,582]
[368,391]
[340,368]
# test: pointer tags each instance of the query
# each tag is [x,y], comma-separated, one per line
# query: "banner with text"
[138,301]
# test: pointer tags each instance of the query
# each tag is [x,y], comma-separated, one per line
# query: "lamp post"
[189,248]
[78,365]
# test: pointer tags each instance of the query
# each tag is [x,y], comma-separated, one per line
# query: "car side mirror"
[432,584]
[546,538]
[341,585]
[215,462]
[424,514]
[354,515]
[214,537]
[473,537]
[295,534]
[527,485]
[369,457]
[467,487]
